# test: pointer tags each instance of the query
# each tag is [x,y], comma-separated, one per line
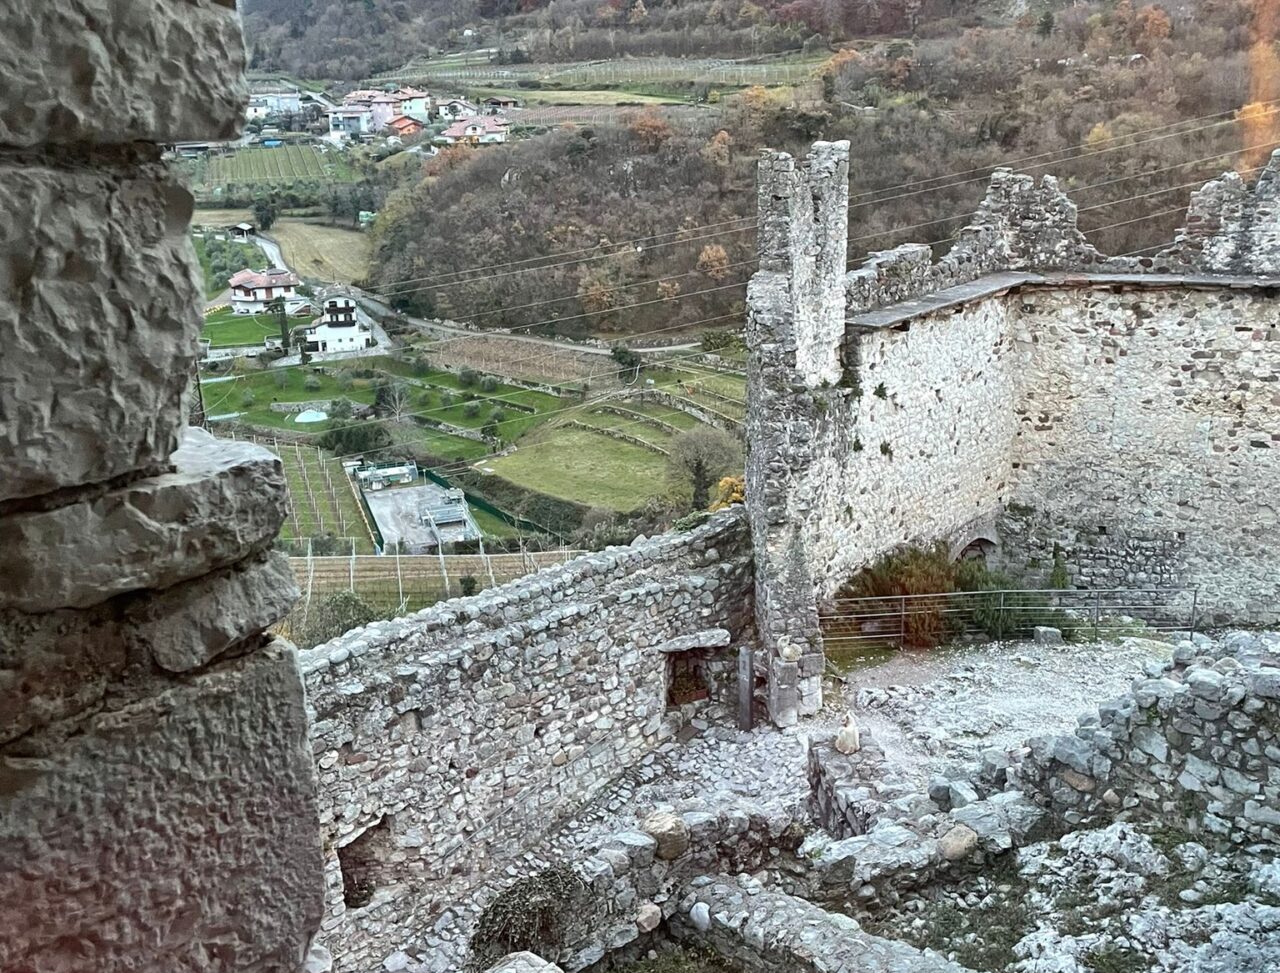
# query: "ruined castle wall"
[1132,394]
[1196,748]
[157,796]
[1148,440]
[920,449]
[450,739]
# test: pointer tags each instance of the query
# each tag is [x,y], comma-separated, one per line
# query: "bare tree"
[700,457]
[393,400]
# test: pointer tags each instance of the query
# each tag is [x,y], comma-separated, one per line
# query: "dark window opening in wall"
[363,862]
[686,680]
[1102,532]
[978,549]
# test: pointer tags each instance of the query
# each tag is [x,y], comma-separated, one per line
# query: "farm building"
[497,104]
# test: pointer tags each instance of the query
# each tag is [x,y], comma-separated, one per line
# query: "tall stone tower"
[795,325]
[157,791]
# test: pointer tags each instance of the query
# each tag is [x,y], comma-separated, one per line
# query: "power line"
[486,270]
[670,277]
[538,357]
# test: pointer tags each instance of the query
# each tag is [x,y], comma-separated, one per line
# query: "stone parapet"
[116,71]
[1195,746]
[449,740]
[760,930]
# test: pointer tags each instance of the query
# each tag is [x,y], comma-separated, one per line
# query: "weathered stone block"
[56,664]
[188,625]
[223,502]
[113,71]
[176,833]
[98,318]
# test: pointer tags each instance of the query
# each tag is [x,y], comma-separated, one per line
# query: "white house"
[280,100]
[456,108]
[258,109]
[337,329]
[348,122]
[482,130]
[251,290]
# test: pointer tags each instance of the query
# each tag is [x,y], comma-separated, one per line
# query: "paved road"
[379,306]
[271,249]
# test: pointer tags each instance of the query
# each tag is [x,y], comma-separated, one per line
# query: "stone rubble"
[894,849]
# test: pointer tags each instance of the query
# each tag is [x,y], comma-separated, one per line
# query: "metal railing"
[927,619]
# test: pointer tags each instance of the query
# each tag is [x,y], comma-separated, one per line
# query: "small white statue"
[787,650]
[849,740]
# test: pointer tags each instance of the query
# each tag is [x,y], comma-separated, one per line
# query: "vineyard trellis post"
[399,579]
[352,570]
[311,576]
[444,571]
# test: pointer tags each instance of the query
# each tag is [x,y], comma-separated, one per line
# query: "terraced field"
[265,167]
[321,500]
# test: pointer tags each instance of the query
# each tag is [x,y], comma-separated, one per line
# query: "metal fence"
[396,584]
[927,619]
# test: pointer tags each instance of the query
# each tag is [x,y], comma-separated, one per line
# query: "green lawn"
[226,329]
[493,526]
[445,398]
[577,465]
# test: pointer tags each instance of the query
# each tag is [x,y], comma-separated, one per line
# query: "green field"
[564,449]
[271,167]
[226,329]
[578,465]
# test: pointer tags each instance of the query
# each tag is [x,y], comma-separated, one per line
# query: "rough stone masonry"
[450,740]
[1024,390]
[157,793]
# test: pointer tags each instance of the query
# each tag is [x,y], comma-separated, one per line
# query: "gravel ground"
[930,711]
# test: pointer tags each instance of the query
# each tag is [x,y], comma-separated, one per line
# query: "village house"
[383,108]
[257,110]
[456,108]
[251,290]
[279,100]
[415,103]
[350,122]
[497,104]
[337,329]
[481,130]
[404,126]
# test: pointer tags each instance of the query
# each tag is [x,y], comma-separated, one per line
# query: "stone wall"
[1129,404]
[157,796]
[449,740]
[1148,430]
[1196,747]
[761,930]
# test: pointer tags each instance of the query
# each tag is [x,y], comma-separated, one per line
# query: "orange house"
[403,126]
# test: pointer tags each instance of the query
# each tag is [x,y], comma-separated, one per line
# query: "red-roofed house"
[404,126]
[481,130]
[252,289]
